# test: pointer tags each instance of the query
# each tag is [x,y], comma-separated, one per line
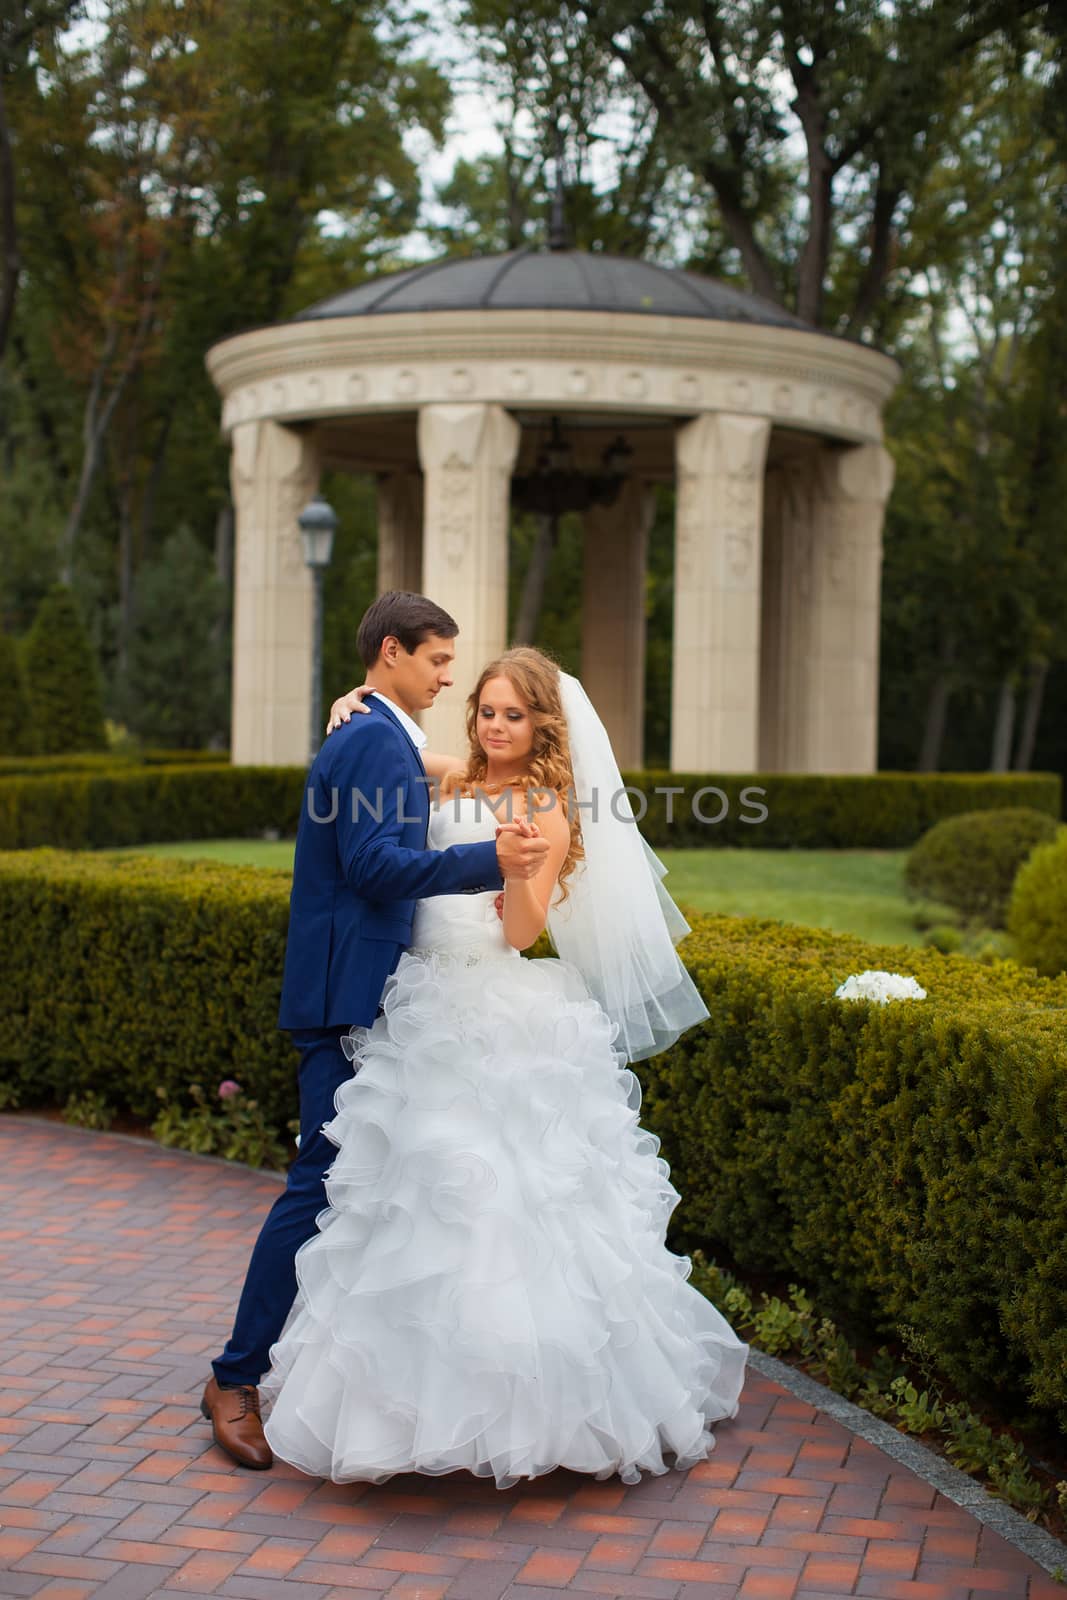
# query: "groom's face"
[418,678]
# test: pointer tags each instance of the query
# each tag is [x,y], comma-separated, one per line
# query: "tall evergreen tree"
[176,690]
[63,679]
[16,735]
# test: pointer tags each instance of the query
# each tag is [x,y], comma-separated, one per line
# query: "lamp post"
[318,524]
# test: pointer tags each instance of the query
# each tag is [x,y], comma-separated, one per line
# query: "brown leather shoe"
[236,1423]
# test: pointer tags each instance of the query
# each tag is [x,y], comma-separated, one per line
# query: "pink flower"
[228,1088]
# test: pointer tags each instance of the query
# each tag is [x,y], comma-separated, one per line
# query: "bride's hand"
[520,825]
[341,710]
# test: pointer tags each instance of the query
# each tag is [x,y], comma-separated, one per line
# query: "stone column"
[274,471]
[854,487]
[785,638]
[613,616]
[829,606]
[467,453]
[717,583]
[400,531]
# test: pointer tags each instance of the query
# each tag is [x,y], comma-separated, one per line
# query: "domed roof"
[553,280]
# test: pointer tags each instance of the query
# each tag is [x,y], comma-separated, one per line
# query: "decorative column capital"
[463,435]
[863,473]
[722,442]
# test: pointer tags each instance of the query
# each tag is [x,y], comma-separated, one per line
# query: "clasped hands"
[521,849]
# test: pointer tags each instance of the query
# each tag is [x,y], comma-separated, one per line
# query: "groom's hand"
[520,849]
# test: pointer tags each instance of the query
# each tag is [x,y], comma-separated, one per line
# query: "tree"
[975,578]
[175,690]
[197,167]
[22,25]
[16,727]
[869,88]
[62,678]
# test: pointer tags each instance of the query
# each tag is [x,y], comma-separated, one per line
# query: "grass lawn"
[850,891]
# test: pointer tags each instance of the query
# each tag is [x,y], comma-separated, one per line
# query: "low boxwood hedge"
[116,805]
[905,1162]
[108,761]
[809,811]
[86,810]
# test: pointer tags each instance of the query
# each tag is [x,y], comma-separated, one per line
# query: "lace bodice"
[462,924]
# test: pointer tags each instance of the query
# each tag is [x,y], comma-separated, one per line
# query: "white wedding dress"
[490,1289]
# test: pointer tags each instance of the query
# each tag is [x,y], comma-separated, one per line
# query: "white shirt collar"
[409,725]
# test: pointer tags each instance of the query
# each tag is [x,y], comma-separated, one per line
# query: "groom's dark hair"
[411,618]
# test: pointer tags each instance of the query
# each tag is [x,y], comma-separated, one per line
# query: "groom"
[361,863]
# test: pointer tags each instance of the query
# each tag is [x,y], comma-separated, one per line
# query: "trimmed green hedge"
[93,810]
[905,1162]
[807,811]
[112,804]
[108,761]
[121,974]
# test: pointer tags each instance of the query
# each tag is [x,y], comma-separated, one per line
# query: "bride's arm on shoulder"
[439,766]
[526,900]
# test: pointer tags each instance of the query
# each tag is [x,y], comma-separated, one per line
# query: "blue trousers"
[270,1282]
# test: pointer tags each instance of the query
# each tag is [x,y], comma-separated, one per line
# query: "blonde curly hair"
[535,679]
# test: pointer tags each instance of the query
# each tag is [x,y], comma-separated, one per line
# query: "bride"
[490,1288]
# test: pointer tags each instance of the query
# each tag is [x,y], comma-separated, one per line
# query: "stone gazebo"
[443,381]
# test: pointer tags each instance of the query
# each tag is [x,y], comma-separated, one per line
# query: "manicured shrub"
[124,760]
[1037,916]
[808,811]
[904,1161]
[970,861]
[804,812]
[125,976]
[62,678]
[118,805]
[16,728]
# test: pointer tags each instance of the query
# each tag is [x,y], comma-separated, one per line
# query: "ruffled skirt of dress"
[489,1288]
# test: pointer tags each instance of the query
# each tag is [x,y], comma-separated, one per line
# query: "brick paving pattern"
[121,1264]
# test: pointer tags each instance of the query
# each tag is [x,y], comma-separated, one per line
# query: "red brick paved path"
[121,1265]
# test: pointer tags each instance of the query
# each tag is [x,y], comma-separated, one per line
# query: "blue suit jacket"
[361,863]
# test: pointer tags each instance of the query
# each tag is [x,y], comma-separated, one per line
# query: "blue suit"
[359,870]
[361,863]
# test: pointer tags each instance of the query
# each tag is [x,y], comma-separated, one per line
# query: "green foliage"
[970,861]
[89,1109]
[792,1328]
[16,727]
[1037,916]
[118,972]
[234,1127]
[176,685]
[120,805]
[901,1159]
[809,811]
[123,759]
[62,678]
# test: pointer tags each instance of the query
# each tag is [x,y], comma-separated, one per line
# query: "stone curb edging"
[955,1485]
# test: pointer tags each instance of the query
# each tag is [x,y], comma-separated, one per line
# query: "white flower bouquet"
[880,986]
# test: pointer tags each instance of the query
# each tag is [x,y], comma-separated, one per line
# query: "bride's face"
[505,731]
